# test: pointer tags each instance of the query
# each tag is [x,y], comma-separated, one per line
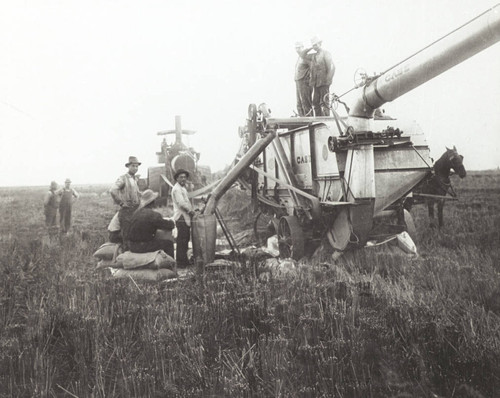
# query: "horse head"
[456,161]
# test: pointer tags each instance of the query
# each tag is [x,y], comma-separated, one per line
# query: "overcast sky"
[85,84]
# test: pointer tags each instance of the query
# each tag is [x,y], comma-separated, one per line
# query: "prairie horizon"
[100,185]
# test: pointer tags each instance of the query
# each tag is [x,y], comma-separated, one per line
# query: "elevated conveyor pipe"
[452,49]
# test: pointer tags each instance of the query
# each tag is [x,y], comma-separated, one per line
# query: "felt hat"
[316,40]
[131,160]
[53,185]
[147,197]
[179,172]
[68,180]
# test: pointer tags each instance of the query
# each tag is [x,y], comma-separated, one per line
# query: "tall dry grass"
[377,324]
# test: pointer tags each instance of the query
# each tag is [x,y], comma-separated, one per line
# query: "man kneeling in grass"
[149,231]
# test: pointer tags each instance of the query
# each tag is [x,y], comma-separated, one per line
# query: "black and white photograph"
[250,198]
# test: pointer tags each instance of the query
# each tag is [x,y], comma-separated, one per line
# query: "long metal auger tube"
[452,49]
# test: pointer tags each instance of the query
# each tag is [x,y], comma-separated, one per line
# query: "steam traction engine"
[175,156]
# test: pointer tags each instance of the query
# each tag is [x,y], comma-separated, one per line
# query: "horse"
[438,183]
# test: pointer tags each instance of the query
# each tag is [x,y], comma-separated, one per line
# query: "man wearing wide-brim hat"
[183,211]
[145,224]
[125,193]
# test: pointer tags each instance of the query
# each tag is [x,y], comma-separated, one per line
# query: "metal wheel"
[252,112]
[290,238]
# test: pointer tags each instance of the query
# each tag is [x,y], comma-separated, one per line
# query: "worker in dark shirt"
[149,231]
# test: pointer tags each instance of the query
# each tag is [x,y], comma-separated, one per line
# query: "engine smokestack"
[178,129]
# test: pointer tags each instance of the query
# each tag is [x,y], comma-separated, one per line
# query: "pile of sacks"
[152,266]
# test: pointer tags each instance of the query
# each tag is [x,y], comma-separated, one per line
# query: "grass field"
[377,324]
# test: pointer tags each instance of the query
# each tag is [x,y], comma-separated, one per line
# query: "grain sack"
[406,244]
[138,260]
[114,224]
[107,251]
[150,260]
[163,260]
[108,263]
[144,274]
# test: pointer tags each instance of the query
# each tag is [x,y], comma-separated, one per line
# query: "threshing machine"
[334,176]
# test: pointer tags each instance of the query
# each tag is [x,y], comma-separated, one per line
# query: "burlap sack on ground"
[114,224]
[144,274]
[107,251]
[150,260]
[108,263]
[163,260]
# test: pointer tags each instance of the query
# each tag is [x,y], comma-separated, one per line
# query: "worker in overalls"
[68,195]
[50,206]
[303,91]
[322,70]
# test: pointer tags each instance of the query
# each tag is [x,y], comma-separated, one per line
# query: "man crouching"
[149,231]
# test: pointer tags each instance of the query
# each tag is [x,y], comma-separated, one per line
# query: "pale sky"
[85,84]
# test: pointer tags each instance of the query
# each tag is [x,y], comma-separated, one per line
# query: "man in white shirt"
[183,211]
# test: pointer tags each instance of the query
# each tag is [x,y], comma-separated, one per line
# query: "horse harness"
[444,184]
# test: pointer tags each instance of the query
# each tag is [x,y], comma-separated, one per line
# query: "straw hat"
[132,160]
[147,197]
